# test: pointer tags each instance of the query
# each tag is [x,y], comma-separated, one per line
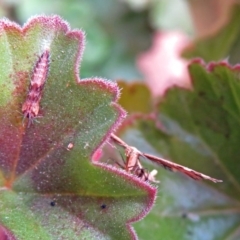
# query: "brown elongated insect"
[133,163]
[134,166]
[31,106]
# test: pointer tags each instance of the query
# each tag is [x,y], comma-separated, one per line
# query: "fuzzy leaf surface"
[49,188]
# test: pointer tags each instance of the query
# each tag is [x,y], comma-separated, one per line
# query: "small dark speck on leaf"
[103,206]
[52,203]
[190,216]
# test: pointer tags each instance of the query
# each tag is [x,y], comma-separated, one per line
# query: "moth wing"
[179,168]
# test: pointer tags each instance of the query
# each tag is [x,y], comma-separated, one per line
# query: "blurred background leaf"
[198,129]
[218,43]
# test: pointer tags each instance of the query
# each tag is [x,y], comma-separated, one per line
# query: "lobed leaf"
[49,186]
[197,129]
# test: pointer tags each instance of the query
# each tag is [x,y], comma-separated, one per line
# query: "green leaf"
[49,188]
[140,97]
[219,45]
[200,130]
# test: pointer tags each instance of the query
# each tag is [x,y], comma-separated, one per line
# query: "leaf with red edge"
[49,187]
[5,234]
[199,129]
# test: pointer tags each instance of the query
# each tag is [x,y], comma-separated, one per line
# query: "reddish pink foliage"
[162,65]
[5,234]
